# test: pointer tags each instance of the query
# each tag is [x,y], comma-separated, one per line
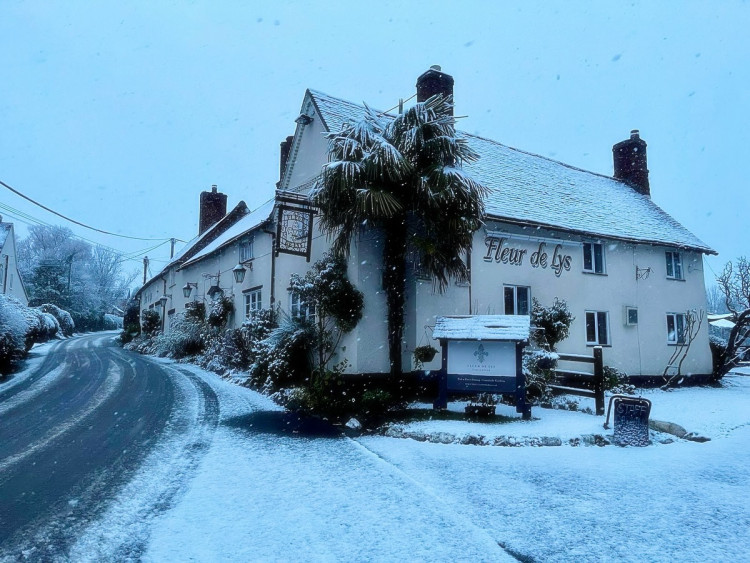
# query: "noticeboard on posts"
[481,366]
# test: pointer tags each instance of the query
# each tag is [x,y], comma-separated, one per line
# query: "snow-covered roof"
[4,232]
[527,188]
[482,327]
[247,223]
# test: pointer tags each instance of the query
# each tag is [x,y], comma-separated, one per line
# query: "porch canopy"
[483,327]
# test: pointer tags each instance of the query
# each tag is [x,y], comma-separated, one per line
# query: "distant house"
[630,273]
[10,279]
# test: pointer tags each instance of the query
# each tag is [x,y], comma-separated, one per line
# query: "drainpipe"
[5,275]
[273,267]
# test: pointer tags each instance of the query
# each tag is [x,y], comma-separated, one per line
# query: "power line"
[27,198]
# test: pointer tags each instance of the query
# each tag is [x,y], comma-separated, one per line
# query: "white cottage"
[10,279]
[631,275]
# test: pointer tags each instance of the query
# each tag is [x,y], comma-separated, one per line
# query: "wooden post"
[599,380]
[441,403]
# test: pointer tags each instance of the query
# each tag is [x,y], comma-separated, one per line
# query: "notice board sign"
[630,420]
[482,366]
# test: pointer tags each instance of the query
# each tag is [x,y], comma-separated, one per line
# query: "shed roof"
[482,327]
[526,188]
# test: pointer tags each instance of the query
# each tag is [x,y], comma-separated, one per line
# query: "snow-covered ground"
[266,495]
[262,491]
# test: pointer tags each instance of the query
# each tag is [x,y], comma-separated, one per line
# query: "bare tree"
[734,283]
[715,300]
[673,371]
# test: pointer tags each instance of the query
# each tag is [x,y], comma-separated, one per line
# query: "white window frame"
[299,309]
[628,310]
[599,267]
[246,250]
[674,265]
[253,301]
[597,317]
[514,289]
[677,334]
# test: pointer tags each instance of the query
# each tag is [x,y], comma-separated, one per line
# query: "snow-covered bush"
[185,338]
[553,322]
[616,382]
[718,354]
[150,321]
[112,322]
[13,329]
[64,319]
[282,359]
[219,312]
[538,369]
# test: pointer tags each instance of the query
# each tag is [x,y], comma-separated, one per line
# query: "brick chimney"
[630,163]
[434,82]
[213,208]
[286,146]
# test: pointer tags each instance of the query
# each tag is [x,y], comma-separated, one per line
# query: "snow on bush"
[185,338]
[64,319]
[13,329]
[112,322]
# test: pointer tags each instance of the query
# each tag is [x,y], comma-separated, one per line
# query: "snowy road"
[76,427]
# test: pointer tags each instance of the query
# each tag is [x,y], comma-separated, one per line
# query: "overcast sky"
[119,114]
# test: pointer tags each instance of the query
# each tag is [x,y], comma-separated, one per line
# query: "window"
[593,257]
[631,316]
[675,328]
[246,250]
[300,309]
[516,300]
[253,302]
[597,328]
[674,265]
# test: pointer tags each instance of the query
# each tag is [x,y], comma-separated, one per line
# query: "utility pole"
[145,268]
[171,252]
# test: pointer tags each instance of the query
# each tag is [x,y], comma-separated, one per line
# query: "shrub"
[616,381]
[150,321]
[112,322]
[13,329]
[538,369]
[282,359]
[185,338]
[219,312]
[718,355]
[555,321]
[64,319]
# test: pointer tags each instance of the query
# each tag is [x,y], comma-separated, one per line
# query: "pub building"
[631,275]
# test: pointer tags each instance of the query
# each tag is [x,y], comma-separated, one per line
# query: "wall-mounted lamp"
[239,273]
[189,288]
[163,300]
[303,119]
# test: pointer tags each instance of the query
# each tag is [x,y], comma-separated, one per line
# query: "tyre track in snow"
[76,432]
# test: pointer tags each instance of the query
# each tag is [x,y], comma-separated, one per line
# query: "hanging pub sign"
[294,231]
[483,354]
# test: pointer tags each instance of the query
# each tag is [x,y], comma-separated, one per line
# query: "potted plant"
[481,406]
[423,355]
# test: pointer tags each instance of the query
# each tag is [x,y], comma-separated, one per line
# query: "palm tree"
[403,176]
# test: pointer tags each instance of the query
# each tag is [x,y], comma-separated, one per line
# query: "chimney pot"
[434,82]
[630,163]
[213,208]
